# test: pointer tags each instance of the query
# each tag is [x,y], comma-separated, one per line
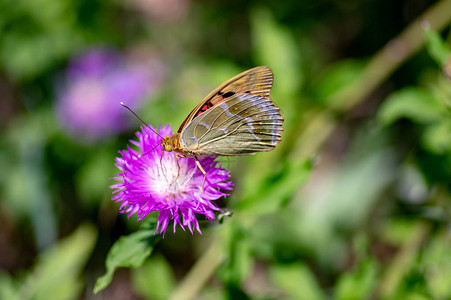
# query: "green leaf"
[154,279]
[25,137]
[436,46]
[437,137]
[336,77]
[397,231]
[240,259]
[416,104]
[297,281]
[37,38]
[436,263]
[359,283]
[9,288]
[362,279]
[55,276]
[276,47]
[92,179]
[263,195]
[129,251]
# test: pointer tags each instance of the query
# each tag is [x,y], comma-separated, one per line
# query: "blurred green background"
[353,204]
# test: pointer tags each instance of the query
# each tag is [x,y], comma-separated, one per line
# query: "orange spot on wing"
[209,105]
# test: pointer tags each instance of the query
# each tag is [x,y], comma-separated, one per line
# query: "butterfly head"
[165,144]
[171,143]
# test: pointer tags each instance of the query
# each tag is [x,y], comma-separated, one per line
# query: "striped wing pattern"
[242,124]
[255,81]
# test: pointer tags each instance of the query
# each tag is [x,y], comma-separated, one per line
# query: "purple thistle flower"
[160,181]
[96,82]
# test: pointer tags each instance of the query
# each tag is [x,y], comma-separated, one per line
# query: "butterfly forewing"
[256,81]
[242,124]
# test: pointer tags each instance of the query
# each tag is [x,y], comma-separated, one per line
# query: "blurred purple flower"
[156,182]
[96,82]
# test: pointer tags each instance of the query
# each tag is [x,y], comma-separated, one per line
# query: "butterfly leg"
[177,156]
[203,172]
[163,169]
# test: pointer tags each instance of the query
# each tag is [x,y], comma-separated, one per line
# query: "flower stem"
[402,262]
[392,56]
[314,130]
[200,272]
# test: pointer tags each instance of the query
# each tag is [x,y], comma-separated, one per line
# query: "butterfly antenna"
[147,152]
[145,124]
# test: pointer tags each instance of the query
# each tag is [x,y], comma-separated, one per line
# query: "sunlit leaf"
[436,46]
[336,77]
[359,283]
[437,137]
[154,279]
[9,288]
[240,260]
[32,42]
[93,178]
[276,47]
[272,192]
[436,262]
[416,104]
[297,281]
[56,274]
[129,251]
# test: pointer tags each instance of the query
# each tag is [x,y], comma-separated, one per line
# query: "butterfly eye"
[168,147]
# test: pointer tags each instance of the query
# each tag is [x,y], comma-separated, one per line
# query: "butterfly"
[237,118]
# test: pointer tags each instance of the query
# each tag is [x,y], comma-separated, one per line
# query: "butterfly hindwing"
[242,124]
[255,81]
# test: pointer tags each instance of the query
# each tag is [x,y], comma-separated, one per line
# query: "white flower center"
[171,179]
